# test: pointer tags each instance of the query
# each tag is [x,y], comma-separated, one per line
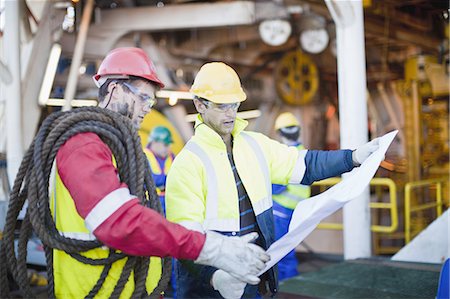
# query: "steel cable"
[32,183]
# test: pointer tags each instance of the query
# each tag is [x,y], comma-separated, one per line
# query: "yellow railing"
[391,205]
[420,207]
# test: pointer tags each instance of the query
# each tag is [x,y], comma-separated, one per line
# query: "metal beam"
[348,17]
[374,26]
[47,32]
[78,55]
[117,22]
[5,74]
[171,17]
[14,145]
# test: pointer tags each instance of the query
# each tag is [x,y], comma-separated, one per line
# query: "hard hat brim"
[99,80]
[222,99]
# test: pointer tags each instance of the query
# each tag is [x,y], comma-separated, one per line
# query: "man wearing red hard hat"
[93,203]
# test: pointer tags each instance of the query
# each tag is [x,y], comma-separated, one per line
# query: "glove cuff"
[355,161]
[211,248]
[214,280]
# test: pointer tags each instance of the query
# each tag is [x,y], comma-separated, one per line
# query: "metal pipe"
[5,74]
[14,145]
[78,55]
[348,17]
[416,111]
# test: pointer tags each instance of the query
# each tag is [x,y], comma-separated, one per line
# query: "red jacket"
[85,166]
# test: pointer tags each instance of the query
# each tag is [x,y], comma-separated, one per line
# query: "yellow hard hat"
[286,119]
[218,83]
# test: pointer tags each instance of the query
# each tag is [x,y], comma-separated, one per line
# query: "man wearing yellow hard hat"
[221,181]
[286,197]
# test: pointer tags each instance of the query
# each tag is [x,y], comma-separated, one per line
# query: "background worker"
[285,198]
[91,202]
[221,180]
[160,158]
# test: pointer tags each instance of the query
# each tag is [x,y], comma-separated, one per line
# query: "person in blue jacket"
[286,197]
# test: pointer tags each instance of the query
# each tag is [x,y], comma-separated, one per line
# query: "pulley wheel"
[296,78]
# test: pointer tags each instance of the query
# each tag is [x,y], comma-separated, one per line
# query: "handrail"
[391,205]
[408,209]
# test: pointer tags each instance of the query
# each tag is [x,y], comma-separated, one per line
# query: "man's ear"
[199,106]
[111,86]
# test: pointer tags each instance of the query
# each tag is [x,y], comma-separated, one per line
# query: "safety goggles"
[150,100]
[222,107]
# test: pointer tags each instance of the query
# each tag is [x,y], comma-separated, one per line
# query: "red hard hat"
[123,62]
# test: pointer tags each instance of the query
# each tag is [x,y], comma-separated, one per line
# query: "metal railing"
[391,205]
[409,209]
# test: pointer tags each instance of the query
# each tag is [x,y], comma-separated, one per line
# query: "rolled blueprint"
[308,213]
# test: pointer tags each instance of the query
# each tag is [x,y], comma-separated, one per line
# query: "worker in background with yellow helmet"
[91,203]
[221,181]
[285,198]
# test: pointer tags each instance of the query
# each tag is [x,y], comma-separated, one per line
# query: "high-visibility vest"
[156,168]
[293,194]
[74,279]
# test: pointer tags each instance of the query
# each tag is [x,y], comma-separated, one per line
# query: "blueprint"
[308,213]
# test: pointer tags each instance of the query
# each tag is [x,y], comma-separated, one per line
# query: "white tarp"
[308,213]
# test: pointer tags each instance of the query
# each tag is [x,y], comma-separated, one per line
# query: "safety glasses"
[150,100]
[222,107]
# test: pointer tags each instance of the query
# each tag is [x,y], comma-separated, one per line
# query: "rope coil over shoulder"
[32,182]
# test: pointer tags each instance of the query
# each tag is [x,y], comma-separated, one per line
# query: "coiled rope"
[32,184]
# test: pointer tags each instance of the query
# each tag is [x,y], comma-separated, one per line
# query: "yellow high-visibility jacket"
[201,191]
[203,196]
[74,279]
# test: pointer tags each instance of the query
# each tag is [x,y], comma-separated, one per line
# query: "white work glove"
[235,255]
[363,152]
[228,286]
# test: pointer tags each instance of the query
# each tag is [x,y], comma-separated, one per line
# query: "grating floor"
[365,278]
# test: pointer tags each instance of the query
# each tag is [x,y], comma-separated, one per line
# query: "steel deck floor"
[365,278]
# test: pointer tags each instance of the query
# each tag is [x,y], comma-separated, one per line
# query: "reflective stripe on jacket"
[289,196]
[74,279]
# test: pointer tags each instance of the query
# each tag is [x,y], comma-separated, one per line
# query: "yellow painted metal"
[391,205]
[367,3]
[410,209]
[380,248]
[415,67]
[297,78]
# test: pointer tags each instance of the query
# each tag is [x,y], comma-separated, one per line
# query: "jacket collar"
[207,135]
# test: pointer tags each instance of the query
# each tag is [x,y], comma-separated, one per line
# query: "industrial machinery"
[297,78]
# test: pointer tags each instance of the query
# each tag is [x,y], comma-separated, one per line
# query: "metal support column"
[348,17]
[78,55]
[14,146]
